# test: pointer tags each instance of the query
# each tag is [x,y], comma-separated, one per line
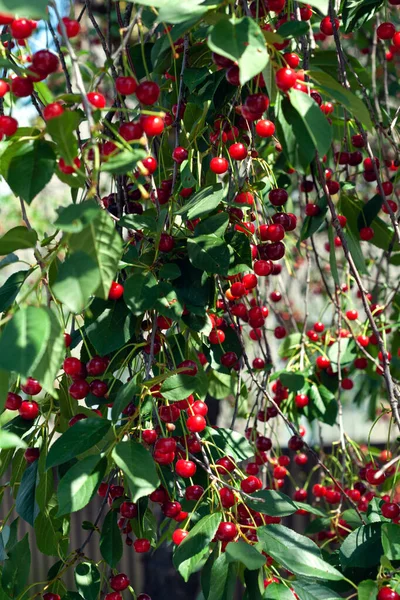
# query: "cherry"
[4,88]
[385,31]
[72,27]
[53,110]
[285,79]
[128,510]
[263,268]
[322,362]
[251,484]
[13,401]
[28,410]
[166,243]
[21,87]
[366,234]
[295,443]
[229,359]
[143,597]
[265,128]
[116,291]
[352,315]
[233,75]
[171,509]
[8,125]
[142,545]
[72,366]
[275,296]
[152,125]
[387,593]
[125,85]
[332,496]
[148,92]
[96,366]
[217,336]
[249,281]
[185,468]
[292,59]
[238,151]
[390,510]
[370,475]
[219,165]
[149,436]
[51,596]
[79,389]
[98,388]
[196,423]
[319,327]
[31,387]
[130,131]
[179,535]
[278,197]
[301,400]
[319,490]
[96,99]
[326,26]
[227,497]
[189,366]
[194,492]
[150,164]
[31,455]
[21,28]
[45,62]
[119,582]
[312,210]
[69,169]
[226,531]
[113,596]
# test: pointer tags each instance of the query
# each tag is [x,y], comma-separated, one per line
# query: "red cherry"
[390,510]
[385,31]
[21,87]
[98,388]
[21,28]
[29,410]
[116,291]
[190,367]
[171,509]
[148,92]
[229,359]
[8,125]
[142,545]
[265,128]
[226,531]
[69,169]
[327,27]
[72,27]
[119,582]
[45,62]
[79,389]
[233,75]
[13,401]
[152,125]
[96,99]
[387,593]
[113,596]
[217,336]
[125,85]
[31,455]
[130,131]
[185,468]
[53,110]
[179,535]
[72,366]
[278,197]
[166,243]
[285,79]
[32,387]
[196,423]
[179,154]
[322,362]
[301,400]
[194,492]
[150,164]
[219,165]
[370,475]
[295,443]
[237,151]
[128,510]
[4,88]
[251,484]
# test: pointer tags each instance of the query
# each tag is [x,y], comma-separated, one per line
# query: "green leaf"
[138,467]
[218,578]
[354,247]
[62,131]
[357,12]
[140,292]
[209,253]
[248,555]
[367,590]
[346,97]
[30,169]
[314,591]
[25,503]
[125,395]
[289,344]
[242,41]
[77,279]
[316,124]
[76,440]
[369,211]
[80,483]
[88,580]
[25,8]
[10,440]
[178,387]
[110,326]
[11,288]
[293,29]
[363,547]
[277,591]
[272,503]
[16,568]
[214,225]
[102,242]
[124,161]
[230,443]
[76,217]
[48,531]
[196,545]
[111,547]
[296,553]
[390,541]
[17,238]
[203,202]
[293,381]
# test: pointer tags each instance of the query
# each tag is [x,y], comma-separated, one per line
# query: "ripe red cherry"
[319,327]
[150,163]
[251,484]
[366,234]
[319,490]
[301,400]
[8,125]
[98,388]
[370,476]
[238,151]
[96,366]
[171,509]
[21,28]
[194,492]
[312,210]
[285,79]
[385,31]
[167,243]
[148,92]
[79,389]
[390,510]
[278,197]
[28,410]
[179,154]
[292,59]
[265,128]
[179,535]
[217,336]
[229,359]
[249,281]
[113,596]
[119,582]
[227,497]
[116,291]
[45,62]
[72,27]
[185,468]
[327,27]
[53,110]
[142,545]
[262,267]
[226,531]
[72,366]
[126,85]
[96,99]
[386,593]
[322,362]
[69,169]
[31,455]
[196,423]
[233,75]
[4,88]
[152,125]
[128,510]
[130,131]
[13,401]
[31,387]
[219,165]
[295,443]
[190,367]
[21,87]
